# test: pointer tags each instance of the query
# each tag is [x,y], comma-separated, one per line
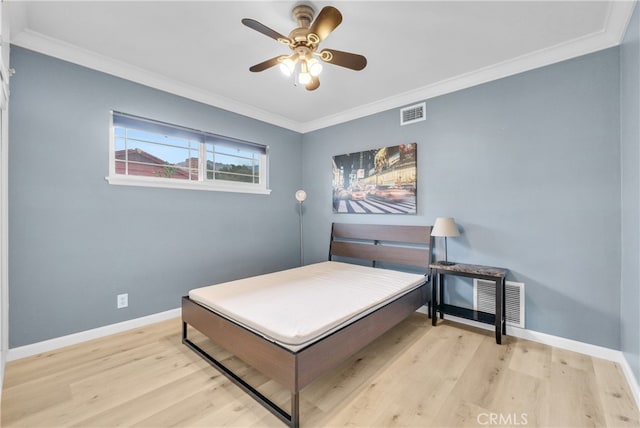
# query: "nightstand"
[438,272]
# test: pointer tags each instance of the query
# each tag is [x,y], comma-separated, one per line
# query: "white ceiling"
[415,49]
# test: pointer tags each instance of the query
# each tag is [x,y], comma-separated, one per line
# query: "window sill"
[167,183]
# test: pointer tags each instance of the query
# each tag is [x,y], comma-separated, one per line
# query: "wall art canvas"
[379,181]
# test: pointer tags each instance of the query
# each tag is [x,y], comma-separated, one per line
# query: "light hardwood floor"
[414,376]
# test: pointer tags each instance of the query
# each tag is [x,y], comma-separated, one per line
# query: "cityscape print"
[379,181]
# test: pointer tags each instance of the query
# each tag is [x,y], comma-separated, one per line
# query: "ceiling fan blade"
[327,21]
[344,59]
[261,28]
[265,64]
[314,84]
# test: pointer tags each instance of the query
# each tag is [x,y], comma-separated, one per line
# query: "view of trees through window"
[224,163]
[143,152]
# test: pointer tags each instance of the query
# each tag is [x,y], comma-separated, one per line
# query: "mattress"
[298,306]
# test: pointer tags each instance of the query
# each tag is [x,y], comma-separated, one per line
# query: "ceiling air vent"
[412,114]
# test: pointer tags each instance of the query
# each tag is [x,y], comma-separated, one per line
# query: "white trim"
[423,310]
[568,344]
[35,41]
[619,15]
[618,19]
[200,184]
[4,192]
[547,339]
[4,244]
[83,336]
[612,34]
[167,183]
[631,379]
[565,51]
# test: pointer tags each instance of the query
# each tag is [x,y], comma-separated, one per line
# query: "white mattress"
[298,306]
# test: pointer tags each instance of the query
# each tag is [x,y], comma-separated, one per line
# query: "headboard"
[394,244]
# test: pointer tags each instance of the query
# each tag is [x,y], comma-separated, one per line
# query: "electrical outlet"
[123,300]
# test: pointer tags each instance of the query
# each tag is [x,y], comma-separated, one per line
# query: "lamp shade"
[444,226]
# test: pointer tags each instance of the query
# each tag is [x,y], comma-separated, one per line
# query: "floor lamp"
[301,195]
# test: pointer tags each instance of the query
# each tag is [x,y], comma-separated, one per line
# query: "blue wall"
[529,166]
[76,241]
[630,147]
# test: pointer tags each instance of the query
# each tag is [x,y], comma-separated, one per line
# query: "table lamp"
[445,227]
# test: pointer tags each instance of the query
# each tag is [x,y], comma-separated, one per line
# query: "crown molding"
[40,43]
[618,17]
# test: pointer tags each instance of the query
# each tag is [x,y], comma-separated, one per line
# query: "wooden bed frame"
[402,245]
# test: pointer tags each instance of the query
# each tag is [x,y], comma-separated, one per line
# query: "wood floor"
[414,376]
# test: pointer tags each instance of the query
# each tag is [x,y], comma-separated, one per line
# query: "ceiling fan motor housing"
[302,36]
[303,14]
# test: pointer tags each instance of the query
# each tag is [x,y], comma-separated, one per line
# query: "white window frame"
[202,183]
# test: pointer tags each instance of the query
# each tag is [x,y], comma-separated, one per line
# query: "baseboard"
[423,310]
[547,339]
[568,344]
[631,379]
[2,364]
[83,336]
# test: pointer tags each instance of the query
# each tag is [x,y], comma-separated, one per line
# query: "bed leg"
[292,420]
[295,410]
[184,331]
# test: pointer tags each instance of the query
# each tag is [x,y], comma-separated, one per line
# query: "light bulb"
[304,78]
[315,67]
[287,66]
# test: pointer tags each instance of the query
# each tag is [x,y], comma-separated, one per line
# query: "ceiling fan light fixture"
[303,42]
[315,67]
[304,77]
[287,66]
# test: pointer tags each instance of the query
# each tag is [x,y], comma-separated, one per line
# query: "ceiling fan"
[303,42]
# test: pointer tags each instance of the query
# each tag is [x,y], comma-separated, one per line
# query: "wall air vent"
[484,293]
[412,114]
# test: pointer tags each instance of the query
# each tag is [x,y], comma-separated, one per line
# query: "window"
[144,152]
